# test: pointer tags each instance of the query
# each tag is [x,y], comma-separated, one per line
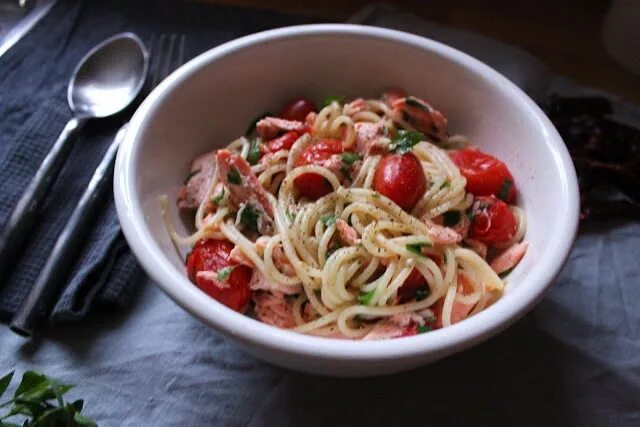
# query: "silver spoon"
[104,83]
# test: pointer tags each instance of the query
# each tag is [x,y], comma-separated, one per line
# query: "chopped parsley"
[416,248]
[224,274]
[365,298]
[253,156]
[423,328]
[430,319]
[252,125]
[249,217]
[350,158]
[445,184]
[422,294]
[451,218]
[328,219]
[191,175]
[234,176]
[345,172]
[503,194]
[217,199]
[291,216]
[376,195]
[332,249]
[334,98]
[404,141]
[470,215]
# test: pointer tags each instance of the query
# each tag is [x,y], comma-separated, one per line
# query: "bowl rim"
[254,333]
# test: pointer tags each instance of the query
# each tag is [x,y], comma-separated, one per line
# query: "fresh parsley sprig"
[333,98]
[404,141]
[39,400]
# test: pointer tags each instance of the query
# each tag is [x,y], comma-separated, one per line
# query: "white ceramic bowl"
[211,99]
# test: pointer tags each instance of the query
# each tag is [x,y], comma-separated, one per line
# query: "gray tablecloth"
[575,360]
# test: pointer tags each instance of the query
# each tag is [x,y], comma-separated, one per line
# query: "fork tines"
[166,53]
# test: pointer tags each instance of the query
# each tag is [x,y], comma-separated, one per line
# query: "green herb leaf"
[503,194]
[345,172]
[331,250]
[328,219]
[253,156]
[217,199]
[350,158]
[57,416]
[5,381]
[31,381]
[291,216]
[376,195]
[445,184]
[83,421]
[404,141]
[422,294]
[334,98]
[234,176]
[224,274]
[32,399]
[365,298]
[252,125]
[416,248]
[249,217]
[451,218]
[430,319]
[423,328]
[191,175]
[470,215]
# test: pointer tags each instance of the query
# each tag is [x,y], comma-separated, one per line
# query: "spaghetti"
[363,220]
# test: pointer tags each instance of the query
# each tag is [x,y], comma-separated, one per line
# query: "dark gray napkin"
[33,110]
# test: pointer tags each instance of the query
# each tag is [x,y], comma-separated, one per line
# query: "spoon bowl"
[109,77]
[105,82]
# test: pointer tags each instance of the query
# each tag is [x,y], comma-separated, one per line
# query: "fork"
[166,54]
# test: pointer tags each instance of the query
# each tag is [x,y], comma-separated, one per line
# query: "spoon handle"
[50,282]
[26,213]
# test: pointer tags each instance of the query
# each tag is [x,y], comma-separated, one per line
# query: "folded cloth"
[33,110]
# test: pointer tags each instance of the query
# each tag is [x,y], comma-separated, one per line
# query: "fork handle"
[50,282]
[26,213]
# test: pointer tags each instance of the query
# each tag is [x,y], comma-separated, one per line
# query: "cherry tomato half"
[297,109]
[312,185]
[413,283]
[213,255]
[401,178]
[284,142]
[493,222]
[485,174]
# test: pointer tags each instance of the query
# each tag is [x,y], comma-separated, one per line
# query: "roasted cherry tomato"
[401,178]
[298,109]
[212,255]
[412,284]
[493,222]
[392,95]
[284,142]
[312,185]
[485,174]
